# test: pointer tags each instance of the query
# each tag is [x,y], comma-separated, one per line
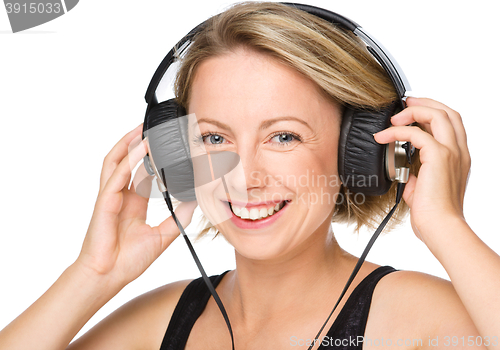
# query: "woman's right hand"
[119,245]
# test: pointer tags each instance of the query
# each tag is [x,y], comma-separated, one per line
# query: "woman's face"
[286,135]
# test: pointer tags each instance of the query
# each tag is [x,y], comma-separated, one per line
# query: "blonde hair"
[334,59]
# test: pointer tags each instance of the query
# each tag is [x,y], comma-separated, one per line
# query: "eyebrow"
[264,125]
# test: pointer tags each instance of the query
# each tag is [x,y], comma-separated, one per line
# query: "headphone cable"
[399,195]
[209,284]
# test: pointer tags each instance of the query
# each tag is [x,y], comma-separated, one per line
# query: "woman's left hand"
[437,195]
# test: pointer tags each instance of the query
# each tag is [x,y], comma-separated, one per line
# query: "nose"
[250,174]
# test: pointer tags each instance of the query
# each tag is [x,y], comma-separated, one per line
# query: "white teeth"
[254,214]
[263,213]
[244,214]
[236,210]
[270,211]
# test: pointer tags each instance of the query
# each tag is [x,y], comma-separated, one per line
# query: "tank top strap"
[350,324]
[189,307]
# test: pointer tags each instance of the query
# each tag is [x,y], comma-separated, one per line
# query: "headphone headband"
[382,56]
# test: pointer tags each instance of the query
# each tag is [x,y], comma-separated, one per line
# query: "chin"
[261,249]
[281,243]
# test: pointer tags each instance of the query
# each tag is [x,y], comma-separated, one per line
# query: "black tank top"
[346,332]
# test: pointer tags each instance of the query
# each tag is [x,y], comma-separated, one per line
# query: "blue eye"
[285,138]
[279,138]
[214,139]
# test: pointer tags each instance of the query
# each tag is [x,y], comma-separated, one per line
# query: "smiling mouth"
[252,214]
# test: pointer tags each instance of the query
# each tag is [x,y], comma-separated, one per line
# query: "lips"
[250,205]
[256,225]
[256,211]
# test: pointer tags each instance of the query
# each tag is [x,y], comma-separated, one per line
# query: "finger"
[117,153]
[435,121]
[168,229]
[409,189]
[454,116]
[134,204]
[456,121]
[142,182]
[408,197]
[414,134]
[121,176]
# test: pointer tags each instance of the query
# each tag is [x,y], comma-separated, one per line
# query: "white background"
[71,88]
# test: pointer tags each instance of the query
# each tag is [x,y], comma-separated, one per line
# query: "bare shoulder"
[416,307]
[139,324]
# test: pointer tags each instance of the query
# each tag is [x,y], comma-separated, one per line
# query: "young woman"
[263,91]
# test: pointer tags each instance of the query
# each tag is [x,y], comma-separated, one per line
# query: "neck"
[266,290]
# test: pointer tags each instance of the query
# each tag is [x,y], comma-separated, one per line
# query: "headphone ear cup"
[361,160]
[169,159]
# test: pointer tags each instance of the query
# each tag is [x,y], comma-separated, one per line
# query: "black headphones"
[364,165]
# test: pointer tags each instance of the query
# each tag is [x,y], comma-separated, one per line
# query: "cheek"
[207,197]
[228,185]
[309,173]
